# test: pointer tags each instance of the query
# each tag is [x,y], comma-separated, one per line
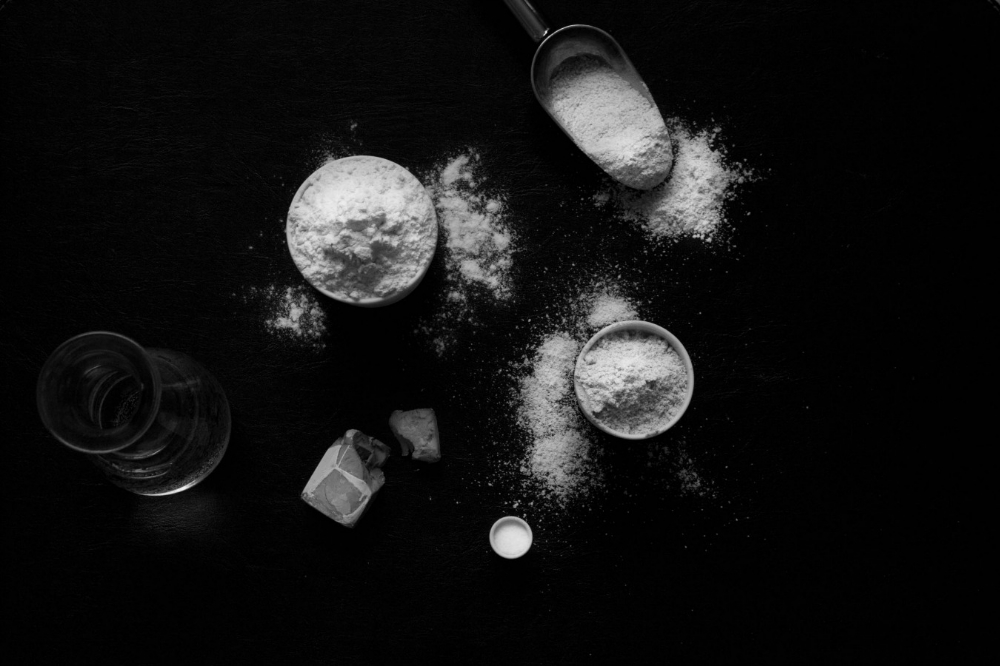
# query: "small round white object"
[643,327]
[510,537]
[362,230]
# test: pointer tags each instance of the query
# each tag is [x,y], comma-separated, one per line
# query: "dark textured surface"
[148,155]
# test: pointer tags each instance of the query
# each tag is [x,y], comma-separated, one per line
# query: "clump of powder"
[477,240]
[292,313]
[362,228]
[612,121]
[342,141]
[636,383]
[607,308]
[691,202]
[478,249]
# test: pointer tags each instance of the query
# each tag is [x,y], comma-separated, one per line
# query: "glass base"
[185,442]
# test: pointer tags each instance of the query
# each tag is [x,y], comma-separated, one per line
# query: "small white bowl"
[335,166]
[510,523]
[645,327]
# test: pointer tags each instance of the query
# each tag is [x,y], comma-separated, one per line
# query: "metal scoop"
[555,47]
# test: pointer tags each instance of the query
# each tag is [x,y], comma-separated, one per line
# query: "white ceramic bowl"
[510,522]
[333,167]
[646,327]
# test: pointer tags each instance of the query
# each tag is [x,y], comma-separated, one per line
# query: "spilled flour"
[477,240]
[478,247]
[561,457]
[691,203]
[607,308]
[684,474]
[291,314]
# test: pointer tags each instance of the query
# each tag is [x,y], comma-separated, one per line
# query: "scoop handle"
[529,18]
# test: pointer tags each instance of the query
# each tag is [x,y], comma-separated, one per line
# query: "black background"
[149,154]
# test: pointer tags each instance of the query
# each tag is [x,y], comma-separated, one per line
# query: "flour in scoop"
[362,228]
[612,122]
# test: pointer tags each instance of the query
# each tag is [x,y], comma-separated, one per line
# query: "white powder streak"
[560,453]
[691,201]
[478,249]
[477,241]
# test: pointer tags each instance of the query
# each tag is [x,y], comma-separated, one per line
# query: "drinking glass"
[153,420]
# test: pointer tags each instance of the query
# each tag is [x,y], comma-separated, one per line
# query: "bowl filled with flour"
[362,230]
[633,380]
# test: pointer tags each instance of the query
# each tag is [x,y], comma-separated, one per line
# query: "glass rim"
[89,437]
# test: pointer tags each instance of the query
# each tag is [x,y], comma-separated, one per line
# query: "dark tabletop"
[149,154]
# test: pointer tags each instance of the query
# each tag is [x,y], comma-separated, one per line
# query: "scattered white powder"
[692,201]
[478,249]
[635,382]
[559,455]
[685,475]
[477,240]
[442,326]
[362,228]
[608,308]
[611,121]
[690,481]
[291,313]
[330,146]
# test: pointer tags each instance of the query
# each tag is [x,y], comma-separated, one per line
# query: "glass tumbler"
[153,420]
